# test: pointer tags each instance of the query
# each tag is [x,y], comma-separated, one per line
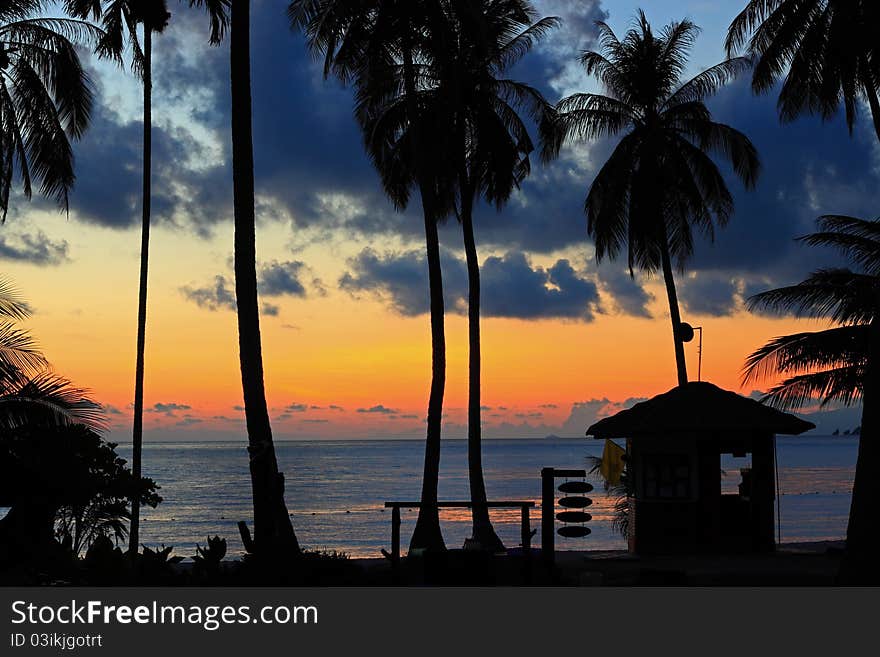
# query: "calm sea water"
[336,490]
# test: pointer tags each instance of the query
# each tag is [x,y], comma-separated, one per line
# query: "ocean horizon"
[336,489]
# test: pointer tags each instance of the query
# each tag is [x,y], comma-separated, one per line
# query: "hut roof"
[698,407]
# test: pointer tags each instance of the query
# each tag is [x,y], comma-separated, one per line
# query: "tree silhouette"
[45,100]
[660,182]
[492,148]
[385,48]
[121,20]
[827,51]
[37,406]
[838,365]
[273,529]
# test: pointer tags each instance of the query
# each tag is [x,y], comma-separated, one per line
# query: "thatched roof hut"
[698,408]
[674,445]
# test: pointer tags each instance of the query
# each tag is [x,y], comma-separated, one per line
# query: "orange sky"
[335,349]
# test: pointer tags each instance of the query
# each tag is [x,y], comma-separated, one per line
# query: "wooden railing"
[525,529]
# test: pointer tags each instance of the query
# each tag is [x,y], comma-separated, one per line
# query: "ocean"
[335,490]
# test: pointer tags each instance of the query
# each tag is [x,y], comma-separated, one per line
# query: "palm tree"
[273,530]
[838,365]
[45,100]
[31,394]
[492,145]
[660,182]
[385,47]
[121,20]
[827,51]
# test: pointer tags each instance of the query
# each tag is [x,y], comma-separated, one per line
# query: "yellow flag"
[612,462]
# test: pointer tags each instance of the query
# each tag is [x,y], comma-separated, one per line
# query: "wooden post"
[395,536]
[246,538]
[526,530]
[548,505]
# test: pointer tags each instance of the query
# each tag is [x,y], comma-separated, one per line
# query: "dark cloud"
[511,286]
[809,169]
[312,173]
[627,292]
[379,408]
[275,279]
[281,278]
[169,409]
[219,296]
[708,294]
[296,408]
[36,249]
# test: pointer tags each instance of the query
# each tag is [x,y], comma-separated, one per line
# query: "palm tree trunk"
[871,93]
[863,532]
[674,313]
[273,530]
[427,534]
[483,532]
[137,434]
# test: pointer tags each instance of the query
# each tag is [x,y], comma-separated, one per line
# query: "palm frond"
[841,295]
[49,400]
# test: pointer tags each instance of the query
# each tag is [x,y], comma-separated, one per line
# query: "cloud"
[275,279]
[168,409]
[281,278]
[627,293]
[380,409]
[218,296]
[810,168]
[35,249]
[296,408]
[511,286]
[705,293]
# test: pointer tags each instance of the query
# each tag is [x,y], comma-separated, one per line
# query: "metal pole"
[548,505]
[700,355]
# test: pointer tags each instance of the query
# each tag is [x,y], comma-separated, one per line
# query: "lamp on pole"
[686,333]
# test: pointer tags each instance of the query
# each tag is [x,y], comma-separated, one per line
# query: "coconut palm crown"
[45,100]
[826,52]
[660,182]
[829,365]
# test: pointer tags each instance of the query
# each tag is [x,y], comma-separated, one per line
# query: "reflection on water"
[336,490]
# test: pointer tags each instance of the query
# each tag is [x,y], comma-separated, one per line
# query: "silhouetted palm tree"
[121,20]
[273,530]
[660,182]
[45,100]
[384,47]
[31,395]
[827,51]
[492,145]
[838,365]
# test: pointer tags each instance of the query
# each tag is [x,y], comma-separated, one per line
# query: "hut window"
[667,476]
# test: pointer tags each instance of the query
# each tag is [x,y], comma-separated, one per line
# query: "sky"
[342,275]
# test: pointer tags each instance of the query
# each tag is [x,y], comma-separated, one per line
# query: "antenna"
[686,334]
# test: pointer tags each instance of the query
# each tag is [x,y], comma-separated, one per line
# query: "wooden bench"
[525,529]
